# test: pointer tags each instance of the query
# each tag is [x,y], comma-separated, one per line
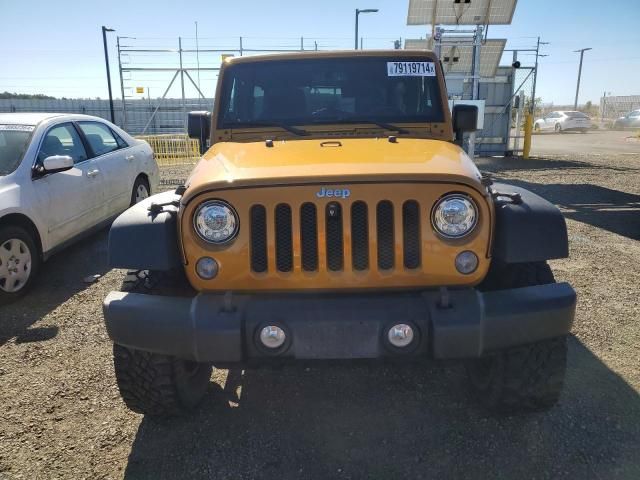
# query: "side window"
[119,140]
[99,137]
[62,140]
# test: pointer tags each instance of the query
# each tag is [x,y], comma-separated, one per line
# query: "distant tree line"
[25,96]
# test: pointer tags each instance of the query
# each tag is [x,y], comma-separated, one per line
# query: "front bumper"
[221,328]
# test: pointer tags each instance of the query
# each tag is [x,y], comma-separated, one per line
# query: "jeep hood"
[232,164]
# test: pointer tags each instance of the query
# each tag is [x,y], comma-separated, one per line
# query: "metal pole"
[535,78]
[106,61]
[240,46]
[582,50]
[356,43]
[301,43]
[438,42]
[198,54]
[124,103]
[477,40]
[184,106]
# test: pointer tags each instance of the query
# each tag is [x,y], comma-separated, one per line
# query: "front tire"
[19,263]
[152,383]
[524,378]
[558,128]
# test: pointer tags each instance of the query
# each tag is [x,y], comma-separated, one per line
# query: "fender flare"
[143,240]
[533,230]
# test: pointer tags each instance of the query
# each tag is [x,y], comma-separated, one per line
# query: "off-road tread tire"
[525,378]
[151,383]
[145,381]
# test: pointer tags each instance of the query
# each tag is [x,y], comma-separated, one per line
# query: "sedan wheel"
[558,128]
[15,265]
[140,191]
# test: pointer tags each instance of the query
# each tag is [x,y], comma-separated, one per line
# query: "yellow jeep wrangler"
[335,216]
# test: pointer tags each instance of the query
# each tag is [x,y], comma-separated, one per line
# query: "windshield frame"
[31,129]
[438,126]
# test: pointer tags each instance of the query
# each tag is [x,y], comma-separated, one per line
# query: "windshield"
[330,90]
[14,140]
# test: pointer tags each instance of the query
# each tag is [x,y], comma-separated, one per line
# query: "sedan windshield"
[14,140]
[374,90]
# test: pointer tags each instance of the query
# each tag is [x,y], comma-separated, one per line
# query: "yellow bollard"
[528,129]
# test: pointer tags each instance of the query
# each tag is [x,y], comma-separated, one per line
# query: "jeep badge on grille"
[333,192]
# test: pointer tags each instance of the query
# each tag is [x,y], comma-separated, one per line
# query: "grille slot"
[360,236]
[309,237]
[258,246]
[284,238]
[385,233]
[335,248]
[411,234]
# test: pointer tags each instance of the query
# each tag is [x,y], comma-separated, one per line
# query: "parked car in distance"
[563,121]
[62,177]
[630,120]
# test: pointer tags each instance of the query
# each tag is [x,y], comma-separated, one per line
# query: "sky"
[55,48]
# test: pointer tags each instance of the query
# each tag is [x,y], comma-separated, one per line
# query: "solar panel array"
[456,54]
[460,12]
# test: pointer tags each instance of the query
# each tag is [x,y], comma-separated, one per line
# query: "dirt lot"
[62,416]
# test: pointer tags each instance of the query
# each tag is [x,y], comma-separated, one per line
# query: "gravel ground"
[62,416]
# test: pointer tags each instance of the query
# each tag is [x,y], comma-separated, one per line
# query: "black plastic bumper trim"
[209,328]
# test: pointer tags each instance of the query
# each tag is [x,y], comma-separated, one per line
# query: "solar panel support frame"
[475,69]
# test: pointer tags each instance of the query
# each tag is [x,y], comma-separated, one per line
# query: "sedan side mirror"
[465,119]
[57,163]
[199,127]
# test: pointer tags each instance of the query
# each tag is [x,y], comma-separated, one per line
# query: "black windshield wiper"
[386,126]
[296,131]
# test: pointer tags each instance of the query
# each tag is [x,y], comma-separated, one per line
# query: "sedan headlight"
[454,216]
[216,221]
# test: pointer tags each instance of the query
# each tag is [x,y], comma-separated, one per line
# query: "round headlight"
[454,216]
[216,221]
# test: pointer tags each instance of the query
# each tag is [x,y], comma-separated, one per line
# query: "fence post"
[528,127]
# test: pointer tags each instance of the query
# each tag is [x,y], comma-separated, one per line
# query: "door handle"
[130,157]
[93,173]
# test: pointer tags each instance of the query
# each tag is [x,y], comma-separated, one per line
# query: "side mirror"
[465,119]
[199,127]
[57,163]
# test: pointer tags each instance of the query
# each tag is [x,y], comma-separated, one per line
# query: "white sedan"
[62,177]
[563,121]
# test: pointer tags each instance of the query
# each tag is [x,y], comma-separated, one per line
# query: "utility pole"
[358,12]
[535,76]
[106,61]
[582,50]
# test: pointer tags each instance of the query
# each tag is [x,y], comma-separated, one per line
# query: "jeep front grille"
[323,241]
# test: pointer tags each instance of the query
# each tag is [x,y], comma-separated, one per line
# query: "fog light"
[400,335]
[207,268]
[272,336]
[466,262]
